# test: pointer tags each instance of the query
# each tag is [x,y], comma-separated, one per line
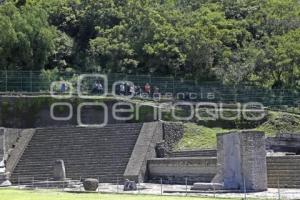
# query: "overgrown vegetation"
[201,137]
[279,122]
[230,40]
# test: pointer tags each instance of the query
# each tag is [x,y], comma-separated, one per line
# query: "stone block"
[130,185]
[59,171]
[90,184]
[242,161]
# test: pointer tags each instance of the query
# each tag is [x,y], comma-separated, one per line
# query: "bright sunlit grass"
[11,194]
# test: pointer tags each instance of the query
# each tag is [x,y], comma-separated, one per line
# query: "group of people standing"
[127,89]
[122,89]
[97,88]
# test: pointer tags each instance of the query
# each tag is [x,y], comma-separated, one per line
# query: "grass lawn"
[11,194]
[201,137]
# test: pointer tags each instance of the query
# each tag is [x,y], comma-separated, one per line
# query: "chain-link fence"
[161,188]
[36,82]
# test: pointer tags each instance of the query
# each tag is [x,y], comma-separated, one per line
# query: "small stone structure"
[59,171]
[90,184]
[181,170]
[144,149]
[130,185]
[241,161]
[284,142]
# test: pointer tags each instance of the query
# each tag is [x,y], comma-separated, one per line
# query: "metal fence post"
[80,184]
[31,81]
[186,185]
[98,184]
[173,85]
[245,191]
[5,80]
[138,187]
[47,186]
[161,187]
[278,185]
[214,191]
[117,184]
[32,184]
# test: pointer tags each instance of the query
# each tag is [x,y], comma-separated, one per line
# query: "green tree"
[26,38]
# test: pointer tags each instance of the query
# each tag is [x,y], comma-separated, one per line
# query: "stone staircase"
[285,170]
[87,152]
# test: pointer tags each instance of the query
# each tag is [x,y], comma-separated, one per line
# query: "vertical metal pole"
[278,185]
[245,191]
[214,191]
[21,83]
[173,86]
[161,187]
[117,184]
[31,81]
[138,187]
[47,183]
[98,184]
[186,182]
[80,184]
[18,182]
[6,81]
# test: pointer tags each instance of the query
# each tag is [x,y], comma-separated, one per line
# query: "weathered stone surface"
[59,171]
[173,133]
[144,149]
[4,180]
[284,142]
[180,170]
[130,185]
[90,184]
[242,161]
[161,150]
[207,186]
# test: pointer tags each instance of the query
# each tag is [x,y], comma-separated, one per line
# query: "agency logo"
[91,88]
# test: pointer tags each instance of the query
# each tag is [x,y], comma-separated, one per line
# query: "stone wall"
[284,142]
[173,133]
[194,153]
[11,136]
[242,161]
[144,149]
[33,112]
[175,170]
[178,170]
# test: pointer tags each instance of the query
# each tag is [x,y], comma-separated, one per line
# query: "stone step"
[291,167]
[283,172]
[87,152]
[283,178]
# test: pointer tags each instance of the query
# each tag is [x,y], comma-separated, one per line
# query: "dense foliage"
[229,40]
